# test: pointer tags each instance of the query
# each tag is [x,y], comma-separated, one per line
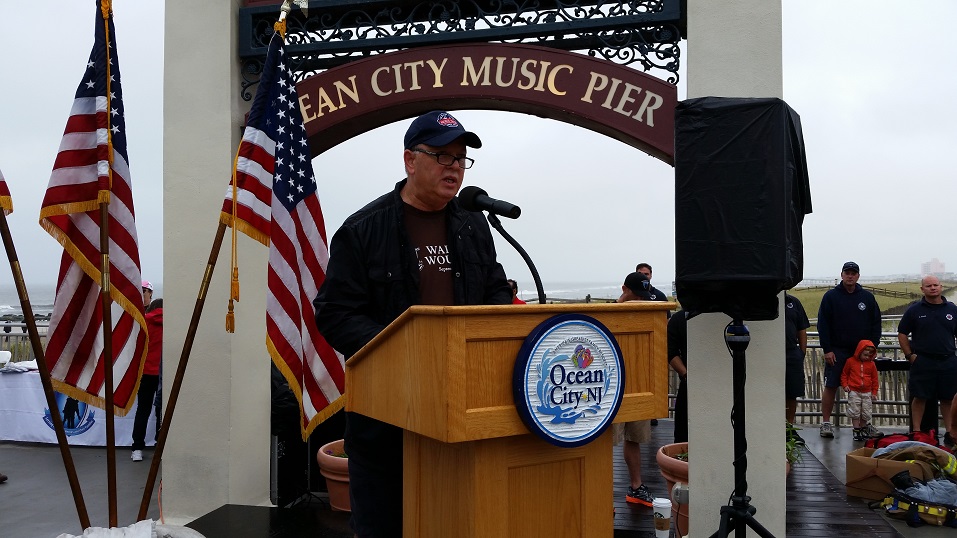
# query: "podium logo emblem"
[568,381]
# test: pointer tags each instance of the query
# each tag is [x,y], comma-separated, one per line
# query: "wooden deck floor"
[817,506]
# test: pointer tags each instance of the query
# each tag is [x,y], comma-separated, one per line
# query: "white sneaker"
[827,430]
[137,455]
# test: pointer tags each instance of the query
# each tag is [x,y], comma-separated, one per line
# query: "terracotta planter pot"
[674,471]
[336,471]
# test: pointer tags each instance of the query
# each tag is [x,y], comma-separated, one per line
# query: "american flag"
[6,203]
[91,167]
[278,206]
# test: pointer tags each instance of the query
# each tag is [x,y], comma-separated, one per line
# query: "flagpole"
[31,323]
[181,371]
[106,301]
[106,304]
[198,311]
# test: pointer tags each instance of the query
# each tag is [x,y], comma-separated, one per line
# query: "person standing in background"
[795,349]
[150,378]
[514,285]
[848,314]
[860,381]
[678,361]
[637,432]
[655,293]
[927,334]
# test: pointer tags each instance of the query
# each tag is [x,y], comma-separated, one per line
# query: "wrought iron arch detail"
[644,33]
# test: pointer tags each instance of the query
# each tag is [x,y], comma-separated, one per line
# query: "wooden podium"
[472,468]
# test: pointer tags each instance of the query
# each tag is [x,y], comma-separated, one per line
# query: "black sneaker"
[871,432]
[858,434]
[640,495]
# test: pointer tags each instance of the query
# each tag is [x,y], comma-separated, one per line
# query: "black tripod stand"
[739,513]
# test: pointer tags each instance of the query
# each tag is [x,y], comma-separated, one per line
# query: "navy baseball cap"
[438,128]
[850,267]
[639,285]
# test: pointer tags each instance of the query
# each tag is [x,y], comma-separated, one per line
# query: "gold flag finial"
[280,25]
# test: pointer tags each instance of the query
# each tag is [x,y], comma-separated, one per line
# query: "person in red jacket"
[514,285]
[149,381]
[859,379]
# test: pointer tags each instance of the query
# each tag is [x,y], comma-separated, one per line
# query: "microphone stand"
[497,224]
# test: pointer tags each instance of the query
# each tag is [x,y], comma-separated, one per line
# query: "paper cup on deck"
[662,510]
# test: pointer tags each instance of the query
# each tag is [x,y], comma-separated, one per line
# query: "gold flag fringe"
[294,385]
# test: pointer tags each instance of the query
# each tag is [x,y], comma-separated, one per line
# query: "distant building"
[934,267]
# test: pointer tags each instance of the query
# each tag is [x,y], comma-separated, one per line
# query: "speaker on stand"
[741,193]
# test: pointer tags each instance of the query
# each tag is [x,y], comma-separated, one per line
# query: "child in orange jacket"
[860,381]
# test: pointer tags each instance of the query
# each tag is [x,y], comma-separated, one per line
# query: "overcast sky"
[873,82]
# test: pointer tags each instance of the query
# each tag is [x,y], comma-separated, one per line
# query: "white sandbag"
[141,529]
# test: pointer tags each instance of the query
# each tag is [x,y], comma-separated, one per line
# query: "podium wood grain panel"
[518,486]
[472,469]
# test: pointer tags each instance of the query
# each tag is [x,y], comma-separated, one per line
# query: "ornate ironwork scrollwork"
[642,32]
[252,70]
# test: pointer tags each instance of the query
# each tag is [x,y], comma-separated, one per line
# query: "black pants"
[681,412]
[144,406]
[375,476]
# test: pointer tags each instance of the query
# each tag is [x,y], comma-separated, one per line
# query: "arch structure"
[363,64]
[592,93]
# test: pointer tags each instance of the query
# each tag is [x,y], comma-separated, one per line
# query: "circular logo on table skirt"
[569,380]
[77,416]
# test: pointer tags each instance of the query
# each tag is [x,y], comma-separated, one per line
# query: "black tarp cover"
[741,193]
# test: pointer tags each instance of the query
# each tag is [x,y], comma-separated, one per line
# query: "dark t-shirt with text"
[427,233]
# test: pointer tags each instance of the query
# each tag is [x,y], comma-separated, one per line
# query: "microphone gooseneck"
[476,199]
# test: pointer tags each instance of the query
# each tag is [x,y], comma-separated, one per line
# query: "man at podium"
[413,245]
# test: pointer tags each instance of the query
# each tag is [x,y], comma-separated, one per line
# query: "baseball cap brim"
[471,139]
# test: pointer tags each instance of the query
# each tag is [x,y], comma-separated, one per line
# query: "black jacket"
[373,274]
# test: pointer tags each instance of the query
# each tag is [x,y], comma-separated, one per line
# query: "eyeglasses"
[446,159]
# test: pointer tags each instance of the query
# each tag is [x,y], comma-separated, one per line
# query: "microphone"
[475,199]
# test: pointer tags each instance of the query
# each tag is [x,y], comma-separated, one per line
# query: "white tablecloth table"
[24,416]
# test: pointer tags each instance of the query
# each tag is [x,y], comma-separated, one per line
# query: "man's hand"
[830,358]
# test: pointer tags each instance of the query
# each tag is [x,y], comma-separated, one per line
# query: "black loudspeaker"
[741,193]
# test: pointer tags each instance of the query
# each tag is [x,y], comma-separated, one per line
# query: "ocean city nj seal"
[568,380]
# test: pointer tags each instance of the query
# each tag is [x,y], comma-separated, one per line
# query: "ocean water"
[41,300]
[570,290]
[41,297]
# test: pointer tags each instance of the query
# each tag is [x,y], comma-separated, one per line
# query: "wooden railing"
[891,409]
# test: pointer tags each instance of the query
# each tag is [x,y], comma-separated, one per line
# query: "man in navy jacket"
[848,314]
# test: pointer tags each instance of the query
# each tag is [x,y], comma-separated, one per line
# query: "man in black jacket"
[656,294]
[414,245]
